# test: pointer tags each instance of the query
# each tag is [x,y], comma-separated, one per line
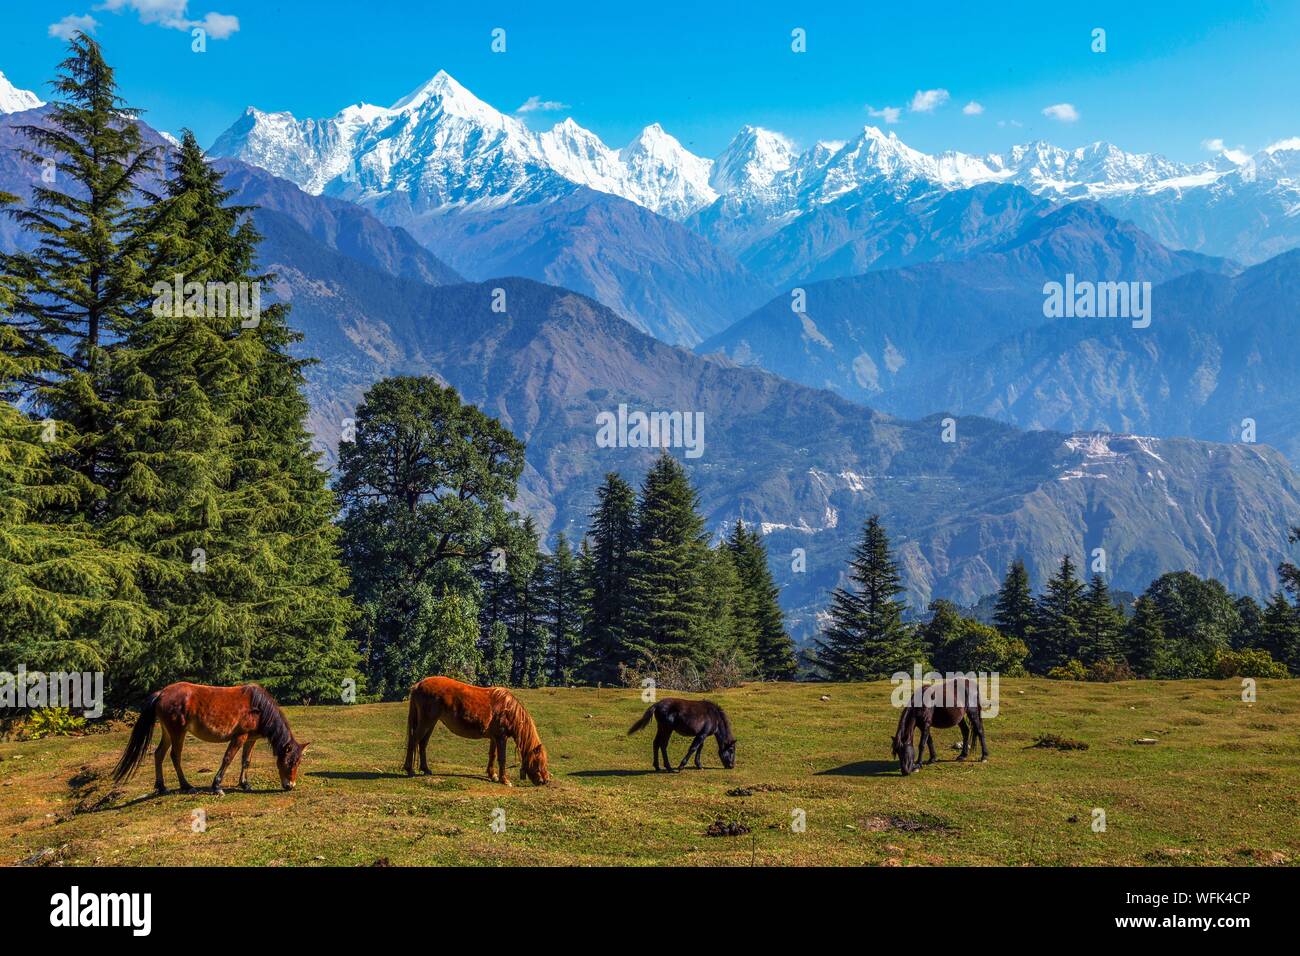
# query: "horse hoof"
[161,791]
[426,771]
[246,787]
[218,792]
[188,789]
[984,759]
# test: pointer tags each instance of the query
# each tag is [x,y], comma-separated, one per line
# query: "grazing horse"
[216,714]
[690,718]
[475,712]
[951,704]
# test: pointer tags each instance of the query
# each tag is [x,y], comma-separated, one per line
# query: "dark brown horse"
[239,715]
[953,703]
[474,712]
[690,718]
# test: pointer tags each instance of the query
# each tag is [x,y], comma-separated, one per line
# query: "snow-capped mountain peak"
[14,100]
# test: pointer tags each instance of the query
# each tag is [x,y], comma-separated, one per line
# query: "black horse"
[951,704]
[690,718]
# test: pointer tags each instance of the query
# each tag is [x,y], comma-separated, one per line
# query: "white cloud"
[1015,123]
[1285,144]
[1065,112]
[71,25]
[973,108]
[536,104]
[1214,145]
[889,114]
[927,101]
[174,15]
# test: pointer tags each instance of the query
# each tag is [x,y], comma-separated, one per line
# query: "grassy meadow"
[1218,787]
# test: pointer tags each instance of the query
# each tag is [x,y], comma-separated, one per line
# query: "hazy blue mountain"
[869,335]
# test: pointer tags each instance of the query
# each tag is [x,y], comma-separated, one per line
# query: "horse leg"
[164,742]
[425,733]
[231,750]
[694,748]
[244,762]
[661,743]
[977,722]
[501,760]
[178,744]
[964,742]
[929,739]
[492,756]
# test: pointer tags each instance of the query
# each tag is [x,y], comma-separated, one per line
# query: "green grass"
[1220,787]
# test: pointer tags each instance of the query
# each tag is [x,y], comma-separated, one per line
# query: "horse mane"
[273,727]
[519,725]
[724,724]
[906,723]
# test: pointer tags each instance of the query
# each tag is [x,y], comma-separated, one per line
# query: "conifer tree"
[1101,625]
[67,602]
[95,232]
[1144,642]
[562,595]
[866,638]
[607,572]
[773,649]
[1279,632]
[1014,612]
[667,567]
[1056,632]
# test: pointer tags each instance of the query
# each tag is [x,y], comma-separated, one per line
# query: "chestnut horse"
[475,713]
[690,718]
[953,703]
[216,714]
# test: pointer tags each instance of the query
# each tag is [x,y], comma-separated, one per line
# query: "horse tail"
[138,745]
[645,719]
[413,718]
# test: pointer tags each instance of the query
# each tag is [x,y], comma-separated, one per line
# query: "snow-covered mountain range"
[441,147]
[14,100]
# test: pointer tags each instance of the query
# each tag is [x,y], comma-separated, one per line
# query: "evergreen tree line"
[1182,626]
[449,580]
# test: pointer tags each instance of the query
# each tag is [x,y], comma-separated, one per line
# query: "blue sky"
[1173,75]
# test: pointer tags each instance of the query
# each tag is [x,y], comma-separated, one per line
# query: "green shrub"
[1247,662]
[1071,670]
[52,722]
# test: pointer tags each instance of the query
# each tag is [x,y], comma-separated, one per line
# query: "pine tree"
[773,649]
[562,596]
[95,232]
[1014,612]
[1101,625]
[866,638]
[1144,642]
[667,567]
[1056,633]
[67,602]
[607,572]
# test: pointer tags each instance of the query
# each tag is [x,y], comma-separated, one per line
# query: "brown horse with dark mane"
[475,713]
[239,715]
[954,703]
[690,718]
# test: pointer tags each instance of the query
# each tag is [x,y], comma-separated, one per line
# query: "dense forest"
[164,517]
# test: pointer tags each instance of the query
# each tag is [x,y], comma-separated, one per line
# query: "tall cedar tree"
[1101,624]
[667,568]
[866,638]
[66,601]
[607,573]
[1057,633]
[1014,612]
[1279,632]
[424,486]
[219,477]
[562,594]
[773,648]
[95,230]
